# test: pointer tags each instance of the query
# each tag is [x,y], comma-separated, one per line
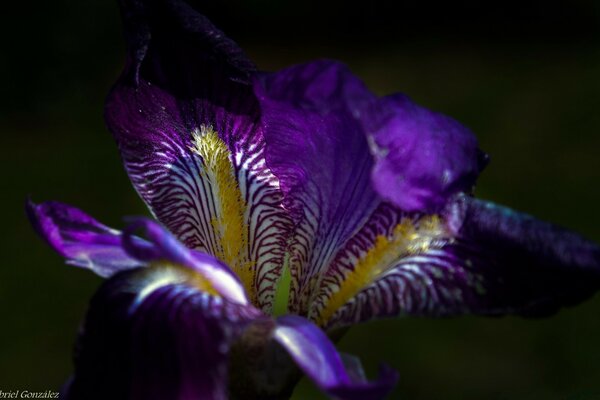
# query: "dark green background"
[524,76]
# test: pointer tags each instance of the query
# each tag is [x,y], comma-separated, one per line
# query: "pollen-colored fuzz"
[408,238]
[162,273]
[228,222]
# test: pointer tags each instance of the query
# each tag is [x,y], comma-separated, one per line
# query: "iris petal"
[81,239]
[165,247]
[186,122]
[317,357]
[319,153]
[388,236]
[87,243]
[499,261]
[172,345]
[422,158]
[340,152]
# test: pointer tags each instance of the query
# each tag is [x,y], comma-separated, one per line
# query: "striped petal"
[388,236]
[186,123]
[320,155]
[496,261]
[339,152]
[82,240]
[146,341]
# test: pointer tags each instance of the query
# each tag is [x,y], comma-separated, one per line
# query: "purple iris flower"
[365,202]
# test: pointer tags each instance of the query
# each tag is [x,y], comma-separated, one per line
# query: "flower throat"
[229,221]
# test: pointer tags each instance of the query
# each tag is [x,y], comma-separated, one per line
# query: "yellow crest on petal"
[229,221]
[407,238]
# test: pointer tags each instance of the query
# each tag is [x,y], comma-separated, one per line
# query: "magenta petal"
[317,357]
[81,239]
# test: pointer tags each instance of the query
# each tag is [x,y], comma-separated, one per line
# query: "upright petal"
[147,341]
[496,261]
[319,153]
[316,356]
[340,152]
[186,122]
[81,239]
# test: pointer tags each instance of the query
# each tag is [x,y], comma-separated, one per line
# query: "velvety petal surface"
[320,154]
[82,240]
[339,152]
[317,357]
[147,341]
[422,158]
[186,122]
[496,261]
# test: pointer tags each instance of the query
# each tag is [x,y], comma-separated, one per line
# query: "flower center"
[229,219]
[408,238]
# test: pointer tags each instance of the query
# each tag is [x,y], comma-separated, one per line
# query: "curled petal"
[317,357]
[422,158]
[81,239]
[172,344]
[87,243]
[163,246]
[498,261]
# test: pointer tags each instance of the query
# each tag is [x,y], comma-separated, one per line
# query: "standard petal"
[317,357]
[340,152]
[186,122]
[322,86]
[164,342]
[422,158]
[319,153]
[81,239]
[498,261]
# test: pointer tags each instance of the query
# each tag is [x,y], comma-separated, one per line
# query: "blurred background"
[524,76]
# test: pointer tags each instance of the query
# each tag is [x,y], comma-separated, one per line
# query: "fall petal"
[82,240]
